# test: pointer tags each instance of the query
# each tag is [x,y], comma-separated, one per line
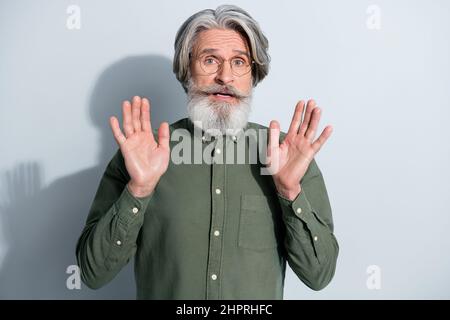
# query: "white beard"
[216,116]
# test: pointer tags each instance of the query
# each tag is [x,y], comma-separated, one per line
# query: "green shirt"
[209,230]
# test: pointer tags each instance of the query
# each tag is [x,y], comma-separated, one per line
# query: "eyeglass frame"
[197,58]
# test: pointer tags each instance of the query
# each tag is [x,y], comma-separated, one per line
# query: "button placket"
[217,220]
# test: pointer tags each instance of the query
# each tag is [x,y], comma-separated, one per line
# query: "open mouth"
[223,94]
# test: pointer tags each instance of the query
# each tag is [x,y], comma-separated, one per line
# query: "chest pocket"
[256,223]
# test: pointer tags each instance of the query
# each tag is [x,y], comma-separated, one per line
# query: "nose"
[224,75]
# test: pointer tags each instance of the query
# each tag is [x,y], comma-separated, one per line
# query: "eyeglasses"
[212,64]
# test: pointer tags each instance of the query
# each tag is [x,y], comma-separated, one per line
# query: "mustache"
[214,88]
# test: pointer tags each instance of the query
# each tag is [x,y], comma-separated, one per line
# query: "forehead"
[221,40]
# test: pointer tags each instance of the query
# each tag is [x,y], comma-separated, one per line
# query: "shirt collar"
[205,136]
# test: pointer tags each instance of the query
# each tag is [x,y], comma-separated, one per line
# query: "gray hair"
[224,17]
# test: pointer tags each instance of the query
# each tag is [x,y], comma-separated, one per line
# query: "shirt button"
[218,151]
[118,242]
[135,210]
[214,277]
[315,238]
[299,210]
[218,191]
[216,233]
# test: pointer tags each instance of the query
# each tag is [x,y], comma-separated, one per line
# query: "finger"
[136,113]
[313,123]
[163,135]
[320,141]
[127,124]
[274,137]
[118,135]
[296,118]
[145,115]
[305,123]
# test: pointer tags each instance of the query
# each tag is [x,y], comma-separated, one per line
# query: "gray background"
[385,91]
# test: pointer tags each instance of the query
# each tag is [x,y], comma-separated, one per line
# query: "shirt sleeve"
[108,240]
[312,248]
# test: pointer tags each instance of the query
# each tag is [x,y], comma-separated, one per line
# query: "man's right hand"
[145,159]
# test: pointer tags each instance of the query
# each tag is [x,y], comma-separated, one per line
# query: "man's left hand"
[289,161]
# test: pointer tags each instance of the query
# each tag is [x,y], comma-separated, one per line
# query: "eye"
[210,61]
[238,62]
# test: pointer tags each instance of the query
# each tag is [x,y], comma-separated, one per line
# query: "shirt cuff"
[299,207]
[129,208]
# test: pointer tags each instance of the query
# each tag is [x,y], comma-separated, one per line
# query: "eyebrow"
[211,50]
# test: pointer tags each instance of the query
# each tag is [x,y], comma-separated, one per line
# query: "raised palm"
[289,161]
[145,159]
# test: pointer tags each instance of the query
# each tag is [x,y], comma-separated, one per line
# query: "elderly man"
[212,229]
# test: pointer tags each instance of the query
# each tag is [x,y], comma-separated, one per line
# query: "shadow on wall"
[41,224]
